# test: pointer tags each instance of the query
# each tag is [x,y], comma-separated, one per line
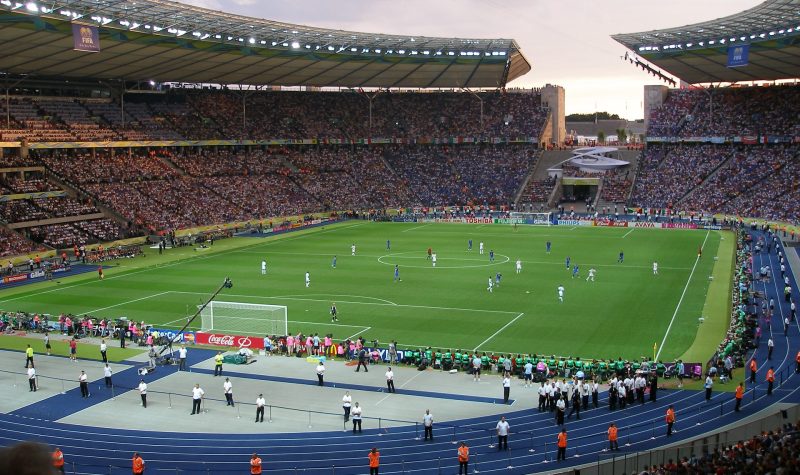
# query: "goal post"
[244,318]
[542,219]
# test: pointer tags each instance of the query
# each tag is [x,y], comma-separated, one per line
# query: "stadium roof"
[699,53]
[169,41]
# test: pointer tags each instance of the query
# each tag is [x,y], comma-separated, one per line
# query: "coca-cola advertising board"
[234,341]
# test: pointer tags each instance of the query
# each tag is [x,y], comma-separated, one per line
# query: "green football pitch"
[622,313]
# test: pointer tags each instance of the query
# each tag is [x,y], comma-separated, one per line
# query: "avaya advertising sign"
[235,341]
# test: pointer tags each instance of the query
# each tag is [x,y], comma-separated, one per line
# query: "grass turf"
[623,313]
[61,348]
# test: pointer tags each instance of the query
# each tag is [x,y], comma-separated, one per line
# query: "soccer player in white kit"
[353,250]
[308,279]
[561,293]
[655,268]
[591,274]
[519,266]
[491,285]
[263,267]
[433,259]
[480,247]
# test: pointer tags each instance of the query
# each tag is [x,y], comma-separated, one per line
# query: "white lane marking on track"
[498,331]
[680,301]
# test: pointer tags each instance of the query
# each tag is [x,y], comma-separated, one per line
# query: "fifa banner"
[738,56]
[234,341]
[85,38]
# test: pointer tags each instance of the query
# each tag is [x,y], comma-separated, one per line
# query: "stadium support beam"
[226,284]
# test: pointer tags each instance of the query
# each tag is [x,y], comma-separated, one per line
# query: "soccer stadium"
[211,223]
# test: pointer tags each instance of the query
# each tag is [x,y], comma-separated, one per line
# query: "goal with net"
[244,318]
[544,219]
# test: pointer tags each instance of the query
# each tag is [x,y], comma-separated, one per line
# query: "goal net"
[531,218]
[244,318]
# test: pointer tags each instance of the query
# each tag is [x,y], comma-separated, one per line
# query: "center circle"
[388,259]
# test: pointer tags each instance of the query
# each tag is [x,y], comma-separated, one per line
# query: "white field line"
[680,301]
[415,227]
[357,303]
[172,264]
[626,234]
[127,302]
[498,331]
[363,329]
[336,295]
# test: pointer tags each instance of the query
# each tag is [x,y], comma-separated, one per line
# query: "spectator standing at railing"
[562,444]
[107,375]
[502,433]
[670,419]
[374,461]
[463,459]
[58,460]
[255,464]
[32,378]
[260,403]
[137,464]
[739,395]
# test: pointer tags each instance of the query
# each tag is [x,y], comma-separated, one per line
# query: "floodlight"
[251,41]
[330,48]
[295,44]
[31,7]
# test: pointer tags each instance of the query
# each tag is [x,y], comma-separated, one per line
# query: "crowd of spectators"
[222,114]
[616,185]
[347,115]
[538,191]
[12,243]
[728,112]
[462,174]
[668,172]
[743,173]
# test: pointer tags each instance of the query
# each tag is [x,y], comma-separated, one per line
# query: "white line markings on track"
[680,301]
[498,331]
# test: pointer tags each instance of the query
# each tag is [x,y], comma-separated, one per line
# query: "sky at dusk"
[567,41]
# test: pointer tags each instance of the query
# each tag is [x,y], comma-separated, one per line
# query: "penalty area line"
[498,331]
[626,234]
[127,302]
[363,329]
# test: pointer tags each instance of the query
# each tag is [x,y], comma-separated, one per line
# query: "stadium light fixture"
[295,44]
[285,45]
[16,6]
[353,50]
[330,48]
[308,46]
[31,7]
[8,4]
[378,50]
[401,51]
[252,41]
